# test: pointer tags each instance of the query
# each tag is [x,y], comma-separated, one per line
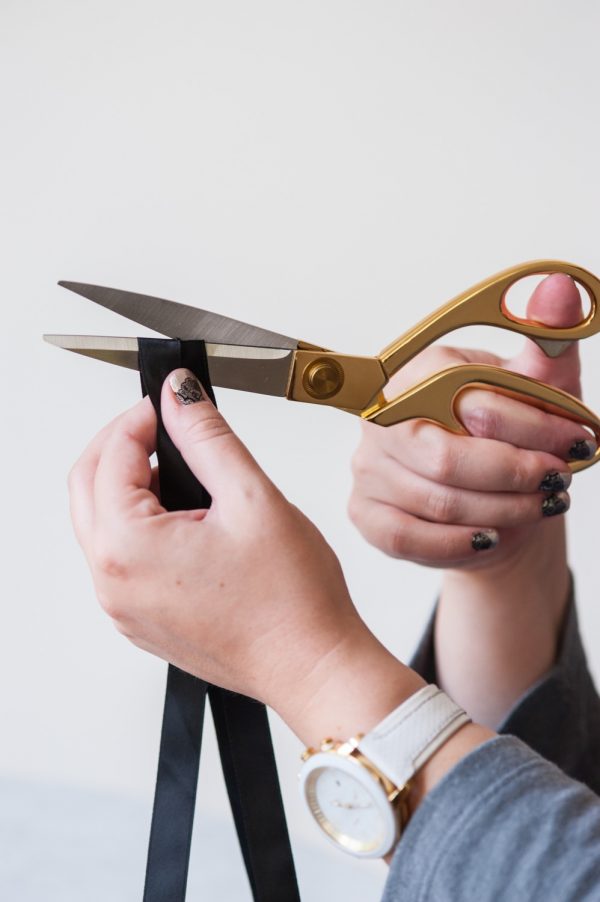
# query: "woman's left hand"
[247,595]
[221,592]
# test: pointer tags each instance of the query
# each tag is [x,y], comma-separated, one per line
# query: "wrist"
[502,624]
[362,790]
[348,690]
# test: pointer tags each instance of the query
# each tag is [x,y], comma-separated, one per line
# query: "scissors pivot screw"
[323,378]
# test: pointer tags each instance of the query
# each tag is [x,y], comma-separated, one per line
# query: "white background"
[329,170]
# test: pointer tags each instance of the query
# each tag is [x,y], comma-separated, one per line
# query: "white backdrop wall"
[330,170]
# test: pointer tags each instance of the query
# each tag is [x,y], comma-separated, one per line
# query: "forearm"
[558,715]
[497,629]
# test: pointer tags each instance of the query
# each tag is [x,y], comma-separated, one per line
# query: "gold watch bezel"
[395,796]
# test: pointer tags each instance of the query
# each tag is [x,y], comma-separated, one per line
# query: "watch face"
[351,807]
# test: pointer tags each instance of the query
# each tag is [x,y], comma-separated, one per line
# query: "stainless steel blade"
[180,320]
[262,370]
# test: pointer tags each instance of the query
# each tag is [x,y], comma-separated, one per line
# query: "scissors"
[248,358]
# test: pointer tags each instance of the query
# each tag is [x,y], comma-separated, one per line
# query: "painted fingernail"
[555,504]
[555,481]
[186,387]
[583,449]
[486,538]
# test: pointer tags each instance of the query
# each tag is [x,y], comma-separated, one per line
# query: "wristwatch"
[357,790]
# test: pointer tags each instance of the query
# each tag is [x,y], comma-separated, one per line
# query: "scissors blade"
[180,320]
[265,371]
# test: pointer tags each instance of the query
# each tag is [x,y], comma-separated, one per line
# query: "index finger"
[123,477]
[488,414]
[81,480]
[466,461]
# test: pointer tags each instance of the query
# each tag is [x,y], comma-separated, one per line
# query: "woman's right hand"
[428,495]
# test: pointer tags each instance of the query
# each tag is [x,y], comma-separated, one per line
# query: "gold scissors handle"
[435,398]
[355,383]
[485,304]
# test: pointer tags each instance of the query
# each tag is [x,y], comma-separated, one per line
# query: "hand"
[248,594]
[428,495]
[474,506]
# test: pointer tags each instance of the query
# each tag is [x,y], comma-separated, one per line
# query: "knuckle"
[123,628]
[441,462]
[145,506]
[262,496]
[413,429]
[523,472]
[110,561]
[126,627]
[444,506]
[112,605]
[483,420]
[355,509]
[205,428]
[446,546]
[359,465]
[526,469]
[396,544]
[262,513]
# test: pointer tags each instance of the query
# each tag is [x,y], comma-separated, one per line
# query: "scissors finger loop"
[435,399]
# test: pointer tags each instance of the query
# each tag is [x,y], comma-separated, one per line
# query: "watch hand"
[349,805]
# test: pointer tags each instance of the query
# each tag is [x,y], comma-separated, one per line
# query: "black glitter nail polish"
[555,482]
[481,541]
[554,504]
[582,450]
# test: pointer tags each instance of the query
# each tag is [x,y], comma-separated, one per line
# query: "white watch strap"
[401,743]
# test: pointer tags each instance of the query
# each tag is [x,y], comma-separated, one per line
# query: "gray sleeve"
[559,716]
[504,825]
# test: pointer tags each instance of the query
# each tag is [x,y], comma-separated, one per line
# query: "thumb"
[555,302]
[214,454]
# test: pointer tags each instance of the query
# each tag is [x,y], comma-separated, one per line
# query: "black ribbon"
[241,723]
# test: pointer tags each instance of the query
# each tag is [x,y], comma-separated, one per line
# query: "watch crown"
[328,744]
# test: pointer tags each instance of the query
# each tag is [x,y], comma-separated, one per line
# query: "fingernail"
[583,449]
[555,481]
[555,504]
[486,538]
[186,387]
